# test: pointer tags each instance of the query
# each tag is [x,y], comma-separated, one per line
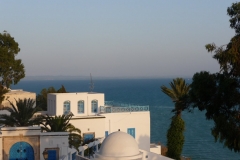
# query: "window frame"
[66,107]
[79,107]
[132,132]
[94,106]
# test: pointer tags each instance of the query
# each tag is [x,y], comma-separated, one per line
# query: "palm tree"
[178,93]
[74,139]
[21,114]
[62,124]
[175,138]
[56,123]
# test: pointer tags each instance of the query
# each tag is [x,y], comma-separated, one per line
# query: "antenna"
[91,83]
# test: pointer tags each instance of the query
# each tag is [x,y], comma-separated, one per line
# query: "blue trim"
[94,106]
[66,107]
[106,134]
[80,107]
[131,131]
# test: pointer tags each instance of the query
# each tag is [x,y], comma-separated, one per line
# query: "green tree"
[11,69]
[62,124]
[57,123]
[175,137]
[75,138]
[234,20]
[3,91]
[42,97]
[179,95]
[219,93]
[21,114]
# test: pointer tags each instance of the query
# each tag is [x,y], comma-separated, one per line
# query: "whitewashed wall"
[54,140]
[90,124]
[138,120]
[56,101]
[153,156]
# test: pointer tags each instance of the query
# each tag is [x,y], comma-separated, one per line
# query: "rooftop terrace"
[113,107]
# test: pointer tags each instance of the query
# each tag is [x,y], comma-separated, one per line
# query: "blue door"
[52,155]
[21,151]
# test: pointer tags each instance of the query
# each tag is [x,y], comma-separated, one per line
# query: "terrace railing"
[118,108]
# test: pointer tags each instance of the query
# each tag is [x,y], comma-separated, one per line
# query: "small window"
[94,106]
[88,137]
[131,131]
[80,106]
[66,107]
[106,134]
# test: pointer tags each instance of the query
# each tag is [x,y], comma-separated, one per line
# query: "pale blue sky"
[127,38]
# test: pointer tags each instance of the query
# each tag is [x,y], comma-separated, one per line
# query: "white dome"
[119,145]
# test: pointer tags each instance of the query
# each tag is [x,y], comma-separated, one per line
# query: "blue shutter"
[74,156]
[131,131]
[87,137]
[106,134]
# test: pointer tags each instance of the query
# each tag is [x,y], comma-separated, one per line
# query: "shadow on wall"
[144,142]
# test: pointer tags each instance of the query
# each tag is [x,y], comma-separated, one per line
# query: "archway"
[21,151]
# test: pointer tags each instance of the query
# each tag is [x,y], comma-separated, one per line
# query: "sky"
[124,38]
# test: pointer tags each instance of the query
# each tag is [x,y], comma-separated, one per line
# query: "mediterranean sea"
[199,143]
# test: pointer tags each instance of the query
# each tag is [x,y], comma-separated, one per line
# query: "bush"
[175,138]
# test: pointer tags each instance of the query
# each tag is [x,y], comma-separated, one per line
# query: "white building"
[29,143]
[94,118]
[98,120]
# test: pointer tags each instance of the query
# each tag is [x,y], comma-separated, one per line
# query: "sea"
[199,143]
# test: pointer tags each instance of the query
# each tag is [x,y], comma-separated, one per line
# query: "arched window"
[94,106]
[66,107]
[80,106]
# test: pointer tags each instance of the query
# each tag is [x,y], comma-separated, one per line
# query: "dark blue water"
[199,143]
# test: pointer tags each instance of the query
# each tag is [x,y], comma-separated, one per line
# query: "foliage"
[42,97]
[21,114]
[57,123]
[89,151]
[219,93]
[234,14]
[3,91]
[11,69]
[219,96]
[62,124]
[175,138]
[228,56]
[74,139]
[179,95]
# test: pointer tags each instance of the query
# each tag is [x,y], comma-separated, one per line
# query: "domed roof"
[119,145]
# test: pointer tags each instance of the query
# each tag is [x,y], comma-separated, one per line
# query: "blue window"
[74,156]
[131,131]
[88,137]
[80,106]
[94,106]
[106,134]
[66,107]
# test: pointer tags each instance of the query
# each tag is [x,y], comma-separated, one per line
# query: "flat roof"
[18,91]
[77,93]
